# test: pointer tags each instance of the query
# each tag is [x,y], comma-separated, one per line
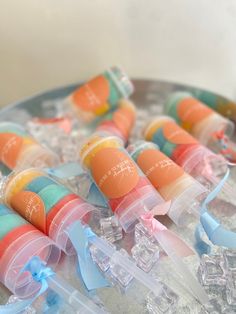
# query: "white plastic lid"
[14,178]
[102,138]
[111,131]
[152,122]
[121,80]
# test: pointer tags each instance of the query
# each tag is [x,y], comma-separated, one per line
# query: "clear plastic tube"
[19,150]
[197,160]
[201,121]
[169,179]
[110,166]
[99,95]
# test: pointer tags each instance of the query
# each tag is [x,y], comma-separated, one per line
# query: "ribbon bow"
[159,231]
[40,273]
[152,224]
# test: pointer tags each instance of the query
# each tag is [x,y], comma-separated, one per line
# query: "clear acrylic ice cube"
[183,310]
[166,302]
[228,310]
[215,292]
[211,309]
[119,274]
[101,259]
[216,304]
[212,270]
[140,232]
[231,288]
[111,229]
[230,259]
[145,253]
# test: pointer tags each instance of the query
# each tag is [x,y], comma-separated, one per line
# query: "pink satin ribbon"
[63,123]
[207,170]
[152,224]
[175,248]
[154,227]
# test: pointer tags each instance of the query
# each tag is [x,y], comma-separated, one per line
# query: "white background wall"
[48,43]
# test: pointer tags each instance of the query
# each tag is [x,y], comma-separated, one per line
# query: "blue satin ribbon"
[89,293]
[74,169]
[92,277]
[217,234]
[66,171]
[95,197]
[200,245]
[53,302]
[40,273]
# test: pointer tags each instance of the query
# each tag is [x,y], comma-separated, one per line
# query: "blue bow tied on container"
[40,273]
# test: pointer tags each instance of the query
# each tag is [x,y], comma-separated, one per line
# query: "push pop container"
[170,180]
[46,204]
[197,160]
[198,119]
[100,95]
[18,150]
[119,122]
[127,190]
[19,242]
[222,105]
[132,198]
[53,209]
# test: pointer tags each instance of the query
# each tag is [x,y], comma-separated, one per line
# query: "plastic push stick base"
[196,289]
[46,278]
[119,259]
[129,266]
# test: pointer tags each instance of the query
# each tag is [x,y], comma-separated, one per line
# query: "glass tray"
[148,94]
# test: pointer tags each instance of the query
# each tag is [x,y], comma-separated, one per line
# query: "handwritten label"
[10,147]
[160,170]
[176,135]
[124,119]
[192,111]
[114,172]
[93,95]
[30,206]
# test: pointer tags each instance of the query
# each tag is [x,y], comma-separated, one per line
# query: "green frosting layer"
[9,222]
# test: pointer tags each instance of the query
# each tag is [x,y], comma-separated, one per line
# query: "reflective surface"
[146,92]
[149,96]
